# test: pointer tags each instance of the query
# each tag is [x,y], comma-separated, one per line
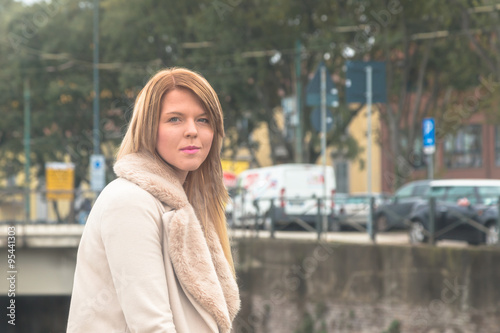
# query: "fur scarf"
[197,256]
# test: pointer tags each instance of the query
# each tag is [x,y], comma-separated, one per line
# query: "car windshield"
[456,193]
[453,193]
[438,191]
[489,194]
[404,191]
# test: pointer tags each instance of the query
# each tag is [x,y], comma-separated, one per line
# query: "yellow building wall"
[261,136]
[358,176]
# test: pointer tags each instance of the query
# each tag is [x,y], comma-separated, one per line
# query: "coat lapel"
[197,256]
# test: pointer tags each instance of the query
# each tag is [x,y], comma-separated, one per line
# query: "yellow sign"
[60,180]
[236,167]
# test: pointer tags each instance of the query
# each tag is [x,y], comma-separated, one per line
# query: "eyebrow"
[177,113]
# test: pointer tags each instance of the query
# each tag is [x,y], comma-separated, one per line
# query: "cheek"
[210,138]
[163,137]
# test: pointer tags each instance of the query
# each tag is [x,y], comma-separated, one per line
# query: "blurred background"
[341,119]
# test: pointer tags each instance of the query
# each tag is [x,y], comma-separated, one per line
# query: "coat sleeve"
[132,237]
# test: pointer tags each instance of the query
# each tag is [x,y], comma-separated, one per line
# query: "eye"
[204,120]
[173,120]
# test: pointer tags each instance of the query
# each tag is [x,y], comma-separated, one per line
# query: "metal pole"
[96,79]
[318,219]
[323,143]
[369,139]
[27,149]
[373,230]
[430,167]
[432,220]
[271,213]
[298,128]
[498,222]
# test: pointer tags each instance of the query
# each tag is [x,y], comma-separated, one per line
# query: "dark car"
[466,209]
[393,215]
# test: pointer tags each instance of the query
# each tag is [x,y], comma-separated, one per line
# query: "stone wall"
[293,286]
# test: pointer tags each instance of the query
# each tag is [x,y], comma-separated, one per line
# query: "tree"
[246,49]
[427,71]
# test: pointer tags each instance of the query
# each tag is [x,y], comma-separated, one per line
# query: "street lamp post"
[95,131]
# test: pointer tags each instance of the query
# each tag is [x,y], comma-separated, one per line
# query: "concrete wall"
[302,286]
[290,286]
[40,271]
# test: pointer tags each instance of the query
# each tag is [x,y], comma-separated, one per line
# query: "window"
[405,191]
[421,190]
[454,193]
[438,192]
[489,194]
[459,192]
[464,148]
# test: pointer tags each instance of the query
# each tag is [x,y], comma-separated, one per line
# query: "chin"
[191,167]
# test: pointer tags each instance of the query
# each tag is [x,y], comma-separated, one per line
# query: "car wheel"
[491,238]
[417,232]
[381,223]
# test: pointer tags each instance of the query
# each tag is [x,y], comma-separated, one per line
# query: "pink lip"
[190,149]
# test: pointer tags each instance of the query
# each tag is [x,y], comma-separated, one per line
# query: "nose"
[191,130]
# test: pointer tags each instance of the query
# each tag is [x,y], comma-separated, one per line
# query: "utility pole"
[298,128]
[96,79]
[369,99]
[27,150]
[323,147]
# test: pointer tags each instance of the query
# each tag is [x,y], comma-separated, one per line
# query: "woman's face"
[184,132]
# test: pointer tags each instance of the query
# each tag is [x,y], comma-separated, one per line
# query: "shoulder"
[125,191]
[124,204]
[123,194]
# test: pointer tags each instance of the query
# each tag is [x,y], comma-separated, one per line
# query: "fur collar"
[197,257]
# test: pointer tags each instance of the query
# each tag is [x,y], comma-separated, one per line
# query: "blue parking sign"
[429,135]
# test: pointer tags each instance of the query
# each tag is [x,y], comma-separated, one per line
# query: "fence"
[428,222]
[431,221]
[314,214]
[64,207]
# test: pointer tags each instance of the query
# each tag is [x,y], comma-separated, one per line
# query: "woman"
[155,255]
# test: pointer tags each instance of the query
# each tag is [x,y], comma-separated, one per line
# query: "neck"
[181,175]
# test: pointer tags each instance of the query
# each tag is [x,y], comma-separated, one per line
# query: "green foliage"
[246,49]
[314,324]
[394,327]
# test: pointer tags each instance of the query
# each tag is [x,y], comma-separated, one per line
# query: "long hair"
[204,187]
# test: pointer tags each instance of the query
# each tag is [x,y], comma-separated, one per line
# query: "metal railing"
[321,217]
[54,207]
[370,226]
[460,220]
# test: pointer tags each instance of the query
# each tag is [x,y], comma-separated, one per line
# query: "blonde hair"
[204,187]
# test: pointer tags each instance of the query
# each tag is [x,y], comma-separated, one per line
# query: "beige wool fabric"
[144,263]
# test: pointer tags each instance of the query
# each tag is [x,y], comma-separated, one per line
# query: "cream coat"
[144,263]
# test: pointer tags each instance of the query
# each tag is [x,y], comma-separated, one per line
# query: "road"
[61,235]
[390,238]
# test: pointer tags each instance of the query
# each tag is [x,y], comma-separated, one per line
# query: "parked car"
[393,214]
[353,210]
[294,188]
[458,201]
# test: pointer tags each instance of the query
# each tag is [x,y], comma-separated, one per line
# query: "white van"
[294,188]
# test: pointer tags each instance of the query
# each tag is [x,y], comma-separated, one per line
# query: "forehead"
[180,99]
